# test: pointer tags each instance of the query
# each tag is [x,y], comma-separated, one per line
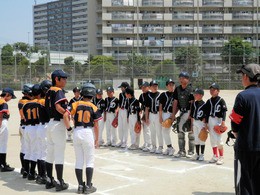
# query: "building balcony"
[211,56]
[122,43]
[213,3]
[120,56]
[122,16]
[153,43]
[212,29]
[179,43]
[123,29]
[212,16]
[213,43]
[122,3]
[243,3]
[183,29]
[153,17]
[183,16]
[242,16]
[153,29]
[183,3]
[242,29]
[153,3]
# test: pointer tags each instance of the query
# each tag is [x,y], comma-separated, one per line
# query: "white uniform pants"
[156,129]
[111,131]
[101,125]
[42,141]
[56,141]
[215,139]
[84,147]
[21,130]
[30,138]
[146,133]
[122,126]
[166,131]
[197,126]
[135,137]
[3,136]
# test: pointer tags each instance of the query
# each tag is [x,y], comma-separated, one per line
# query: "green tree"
[69,60]
[7,55]
[167,68]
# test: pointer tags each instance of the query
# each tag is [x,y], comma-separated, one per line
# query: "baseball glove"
[203,135]
[167,123]
[115,122]
[138,127]
[186,127]
[219,129]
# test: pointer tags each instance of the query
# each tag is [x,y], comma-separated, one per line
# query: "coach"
[245,123]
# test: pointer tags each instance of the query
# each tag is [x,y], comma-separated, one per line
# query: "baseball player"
[27,95]
[152,117]
[100,103]
[6,95]
[146,129]
[183,99]
[122,117]
[197,115]
[56,104]
[110,113]
[86,116]
[165,112]
[215,115]
[133,115]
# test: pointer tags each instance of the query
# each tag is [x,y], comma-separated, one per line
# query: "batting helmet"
[45,85]
[27,89]
[88,90]
[36,90]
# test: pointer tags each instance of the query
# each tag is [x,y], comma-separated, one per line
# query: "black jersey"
[122,100]
[54,96]
[43,114]
[31,112]
[143,99]
[4,109]
[74,100]
[216,107]
[111,104]
[184,97]
[166,99]
[20,106]
[153,102]
[133,107]
[100,103]
[84,113]
[197,110]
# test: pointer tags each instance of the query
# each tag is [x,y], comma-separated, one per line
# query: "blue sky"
[16,20]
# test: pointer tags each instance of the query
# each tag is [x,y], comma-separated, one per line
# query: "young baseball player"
[152,117]
[133,115]
[216,115]
[6,95]
[110,113]
[122,117]
[146,129]
[100,103]
[86,116]
[27,95]
[165,112]
[197,115]
[56,104]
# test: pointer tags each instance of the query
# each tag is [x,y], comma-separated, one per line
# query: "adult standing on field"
[245,123]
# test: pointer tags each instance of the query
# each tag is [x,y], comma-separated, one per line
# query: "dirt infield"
[120,171]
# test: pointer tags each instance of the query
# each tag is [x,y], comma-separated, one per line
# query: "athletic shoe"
[146,149]
[180,154]
[31,176]
[143,146]
[123,145]
[214,159]
[6,168]
[201,157]
[195,157]
[119,144]
[81,189]
[169,151]
[100,143]
[41,180]
[190,154]
[113,145]
[220,161]
[69,139]
[21,171]
[50,183]
[159,150]
[61,185]
[133,147]
[153,149]
[90,189]
[25,174]
[107,144]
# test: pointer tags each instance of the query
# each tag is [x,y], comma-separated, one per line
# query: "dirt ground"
[120,171]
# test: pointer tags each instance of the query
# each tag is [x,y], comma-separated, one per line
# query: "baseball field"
[121,171]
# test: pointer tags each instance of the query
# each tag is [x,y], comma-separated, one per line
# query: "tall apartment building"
[157,27]
[66,25]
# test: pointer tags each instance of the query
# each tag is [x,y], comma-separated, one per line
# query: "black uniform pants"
[247,173]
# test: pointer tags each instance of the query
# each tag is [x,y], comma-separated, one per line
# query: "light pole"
[229,67]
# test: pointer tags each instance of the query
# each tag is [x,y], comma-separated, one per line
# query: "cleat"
[6,168]
[61,185]
[214,159]
[50,183]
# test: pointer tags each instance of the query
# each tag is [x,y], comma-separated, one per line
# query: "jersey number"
[83,116]
[32,113]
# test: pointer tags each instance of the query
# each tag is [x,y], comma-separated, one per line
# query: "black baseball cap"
[198,91]
[251,70]
[169,81]
[110,89]
[8,90]
[76,89]
[129,90]
[145,84]
[184,74]
[59,73]
[124,84]
[153,82]
[99,91]
[214,86]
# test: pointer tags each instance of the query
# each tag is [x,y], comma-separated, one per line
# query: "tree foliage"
[7,55]
[103,65]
